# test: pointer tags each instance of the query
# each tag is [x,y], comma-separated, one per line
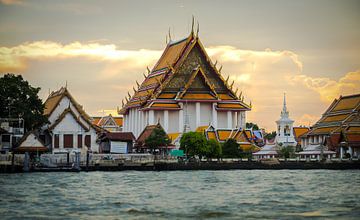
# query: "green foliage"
[157,138]
[286,152]
[214,149]
[252,125]
[230,149]
[194,143]
[19,99]
[270,136]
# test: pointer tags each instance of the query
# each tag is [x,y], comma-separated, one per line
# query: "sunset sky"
[308,49]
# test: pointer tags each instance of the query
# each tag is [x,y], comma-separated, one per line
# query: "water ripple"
[251,194]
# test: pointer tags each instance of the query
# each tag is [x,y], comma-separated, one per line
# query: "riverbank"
[164,166]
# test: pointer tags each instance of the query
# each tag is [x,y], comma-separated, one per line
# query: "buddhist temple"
[109,123]
[70,127]
[285,134]
[183,91]
[337,130]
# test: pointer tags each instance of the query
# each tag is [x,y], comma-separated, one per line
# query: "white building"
[185,90]
[70,128]
[285,132]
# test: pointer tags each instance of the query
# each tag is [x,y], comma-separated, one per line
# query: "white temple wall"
[173,122]
[205,114]
[159,117]
[191,112]
[222,119]
[70,126]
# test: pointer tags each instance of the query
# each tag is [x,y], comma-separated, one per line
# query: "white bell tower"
[284,133]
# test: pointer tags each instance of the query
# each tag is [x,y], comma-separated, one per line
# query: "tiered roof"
[105,120]
[53,101]
[342,114]
[184,72]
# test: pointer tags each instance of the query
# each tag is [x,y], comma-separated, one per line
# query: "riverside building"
[185,90]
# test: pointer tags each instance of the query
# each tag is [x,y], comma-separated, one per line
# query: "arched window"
[287,130]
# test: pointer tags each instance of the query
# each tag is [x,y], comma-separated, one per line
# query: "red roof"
[118,136]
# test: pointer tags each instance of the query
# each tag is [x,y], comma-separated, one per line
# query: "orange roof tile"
[298,131]
[119,121]
[231,106]
[167,95]
[347,102]
[334,118]
[223,135]
[211,135]
[171,54]
[173,136]
[225,97]
[324,130]
[197,96]
[165,105]
[201,128]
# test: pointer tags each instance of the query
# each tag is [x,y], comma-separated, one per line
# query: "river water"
[236,194]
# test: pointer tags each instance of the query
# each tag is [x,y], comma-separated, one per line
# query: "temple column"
[350,152]
[197,106]
[124,123]
[214,115]
[229,119]
[166,120]
[341,152]
[181,118]
[151,117]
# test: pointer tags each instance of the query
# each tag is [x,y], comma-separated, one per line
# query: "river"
[235,194]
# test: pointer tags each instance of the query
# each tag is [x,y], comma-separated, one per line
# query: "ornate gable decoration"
[184,68]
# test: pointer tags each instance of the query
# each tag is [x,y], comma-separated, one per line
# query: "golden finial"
[169,34]
[166,39]
[148,69]
[220,68]
[232,84]
[227,79]
[215,63]
[236,90]
[129,95]
[122,103]
[250,104]
[240,94]
[127,100]
[192,25]
[134,90]
[137,83]
[144,75]
[198,28]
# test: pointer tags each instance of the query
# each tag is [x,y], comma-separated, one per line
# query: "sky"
[308,49]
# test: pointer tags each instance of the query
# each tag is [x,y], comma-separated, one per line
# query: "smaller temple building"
[285,135]
[109,122]
[338,130]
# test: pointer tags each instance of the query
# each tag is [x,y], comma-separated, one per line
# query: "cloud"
[16,58]
[329,89]
[101,75]
[12,2]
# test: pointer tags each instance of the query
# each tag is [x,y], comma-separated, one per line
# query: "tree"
[157,138]
[215,150]
[231,149]
[270,136]
[252,125]
[194,143]
[20,100]
[286,151]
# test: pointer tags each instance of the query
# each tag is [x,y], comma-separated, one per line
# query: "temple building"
[184,91]
[285,133]
[337,131]
[109,123]
[69,128]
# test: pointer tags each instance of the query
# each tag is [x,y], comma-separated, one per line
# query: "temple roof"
[343,112]
[183,72]
[53,101]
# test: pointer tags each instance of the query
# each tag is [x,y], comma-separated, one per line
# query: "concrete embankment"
[163,166]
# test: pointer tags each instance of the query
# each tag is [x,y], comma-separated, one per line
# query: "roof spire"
[169,35]
[197,31]
[192,25]
[284,112]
